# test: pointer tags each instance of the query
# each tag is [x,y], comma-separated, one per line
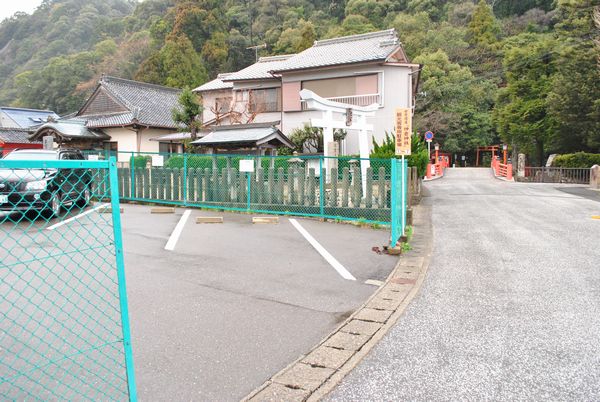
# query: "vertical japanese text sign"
[403,130]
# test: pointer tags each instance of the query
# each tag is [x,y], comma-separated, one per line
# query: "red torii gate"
[491,148]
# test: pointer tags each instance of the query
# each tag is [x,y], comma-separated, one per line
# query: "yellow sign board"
[403,130]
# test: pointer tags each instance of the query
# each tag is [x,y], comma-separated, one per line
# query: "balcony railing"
[354,100]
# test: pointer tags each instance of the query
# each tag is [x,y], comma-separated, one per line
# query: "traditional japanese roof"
[173,137]
[241,135]
[216,84]
[69,129]
[369,47]
[259,70]
[15,136]
[120,102]
[24,118]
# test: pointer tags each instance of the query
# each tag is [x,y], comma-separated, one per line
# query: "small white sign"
[246,165]
[92,157]
[158,160]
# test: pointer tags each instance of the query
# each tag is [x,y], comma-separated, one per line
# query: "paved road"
[510,309]
[235,303]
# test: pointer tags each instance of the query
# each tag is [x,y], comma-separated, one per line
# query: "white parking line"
[177,232]
[324,253]
[89,211]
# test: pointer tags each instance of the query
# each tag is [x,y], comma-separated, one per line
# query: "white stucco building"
[358,70]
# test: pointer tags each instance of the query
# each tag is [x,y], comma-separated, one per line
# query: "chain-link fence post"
[116,216]
[248,192]
[321,188]
[132,173]
[404,194]
[185,179]
[393,203]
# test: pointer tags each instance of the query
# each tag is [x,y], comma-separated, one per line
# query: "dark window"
[223,105]
[265,100]
[167,147]
[111,146]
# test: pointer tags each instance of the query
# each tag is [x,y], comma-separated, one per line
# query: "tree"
[188,114]
[574,101]
[352,25]
[483,29]
[294,40]
[457,104]
[214,53]
[310,139]
[522,115]
[176,64]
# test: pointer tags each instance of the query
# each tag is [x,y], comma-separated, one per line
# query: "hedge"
[576,160]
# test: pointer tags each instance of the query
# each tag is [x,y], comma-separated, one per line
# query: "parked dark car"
[47,190]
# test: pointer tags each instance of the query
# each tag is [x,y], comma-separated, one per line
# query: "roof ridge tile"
[277,57]
[352,38]
[108,79]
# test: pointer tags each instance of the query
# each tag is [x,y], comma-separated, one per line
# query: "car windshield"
[31,156]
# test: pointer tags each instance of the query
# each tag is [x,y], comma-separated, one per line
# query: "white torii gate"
[328,123]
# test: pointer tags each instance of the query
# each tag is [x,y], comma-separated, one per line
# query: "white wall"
[127,142]
[396,88]
[208,102]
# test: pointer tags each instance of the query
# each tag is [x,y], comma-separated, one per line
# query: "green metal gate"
[64,326]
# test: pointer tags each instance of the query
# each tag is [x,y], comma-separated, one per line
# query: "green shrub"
[577,160]
[419,157]
[141,161]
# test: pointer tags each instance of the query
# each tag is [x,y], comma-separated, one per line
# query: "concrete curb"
[315,374]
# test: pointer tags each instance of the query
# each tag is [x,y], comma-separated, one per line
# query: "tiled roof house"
[359,70]
[12,138]
[120,115]
[16,117]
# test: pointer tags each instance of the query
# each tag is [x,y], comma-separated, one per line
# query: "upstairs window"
[265,100]
[360,90]
[223,105]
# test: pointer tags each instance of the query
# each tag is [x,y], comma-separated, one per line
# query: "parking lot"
[217,309]
[234,303]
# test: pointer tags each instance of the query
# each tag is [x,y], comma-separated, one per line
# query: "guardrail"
[436,170]
[556,175]
[502,169]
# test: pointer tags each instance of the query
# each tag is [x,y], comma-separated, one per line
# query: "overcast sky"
[9,7]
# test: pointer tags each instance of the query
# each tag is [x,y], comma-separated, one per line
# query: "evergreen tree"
[188,114]
[574,101]
[522,115]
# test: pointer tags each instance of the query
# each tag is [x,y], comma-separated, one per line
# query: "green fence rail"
[344,188]
[64,327]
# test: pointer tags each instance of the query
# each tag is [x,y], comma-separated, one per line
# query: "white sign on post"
[246,165]
[92,157]
[158,160]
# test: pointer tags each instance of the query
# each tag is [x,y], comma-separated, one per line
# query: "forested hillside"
[526,72]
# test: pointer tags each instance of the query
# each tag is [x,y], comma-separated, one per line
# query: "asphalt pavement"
[510,309]
[234,303]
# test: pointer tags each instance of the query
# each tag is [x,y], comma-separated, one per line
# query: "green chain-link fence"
[64,330]
[344,188]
